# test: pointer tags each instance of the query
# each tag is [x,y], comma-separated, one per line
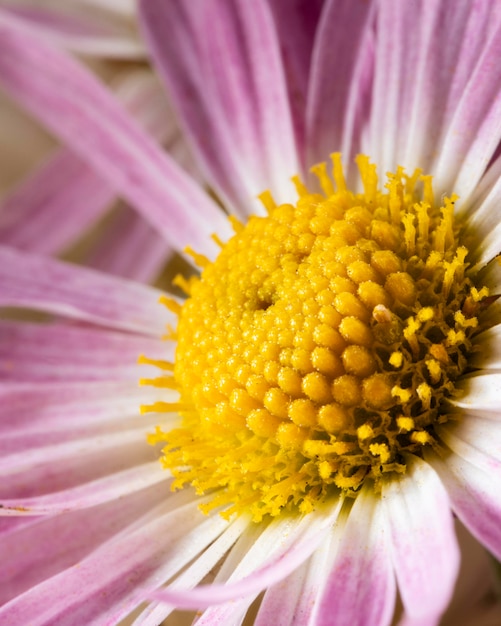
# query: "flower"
[368,417]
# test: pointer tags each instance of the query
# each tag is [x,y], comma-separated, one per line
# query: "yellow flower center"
[320,346]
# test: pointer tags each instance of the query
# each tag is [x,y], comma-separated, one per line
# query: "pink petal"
[79,449]
[418,84]
[28,280]
[53,406]
[155,613]
[281,548]
[130,247]
[123,8]
[474,131]
[131,428]
[11,525]
[106,585]
[296,29]
[319,568]
[42,203]
[340,55]
[361,590]
[84,115]
[61,352]
[51,468]
[46,546]
[111,487]
[253,543]
[396,41]
[237,114]
[280,600]
[440,74]
[474,584]
[422,541]
[483,219]
[81,31]
[472,477]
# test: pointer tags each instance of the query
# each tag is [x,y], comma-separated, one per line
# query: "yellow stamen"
[320,347]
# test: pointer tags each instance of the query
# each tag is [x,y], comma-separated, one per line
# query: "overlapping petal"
[428,90]
[422,541]
[471,473]
[64,197]
[108,583]
[280,548]
[95,32]
[62,352]
[71,102]
[340,76]
[28,280]
[360,589]
[60,541]
[238,116]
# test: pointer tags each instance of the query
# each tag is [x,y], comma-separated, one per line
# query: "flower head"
[327,393]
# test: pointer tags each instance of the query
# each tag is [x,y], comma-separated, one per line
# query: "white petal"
[423,543]
[361,589]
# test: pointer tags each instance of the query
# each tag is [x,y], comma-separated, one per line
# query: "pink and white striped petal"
[319,567]
[43,547]
[70,464]
[57,203]
[282,547]
[423,544]
[360,590]
[94,33]
[32,437]
[208,559]
[339,66]
[474,131]
[65,406]
[128,246]
[428,90]
[92,123]
[35,404]
[236,115]
[72,353]
[123,8]
[105,586]
[296,31]
[64,196]
[439,78]
[471,475]
[44,284]
[281,599]
[103,444]
[93,493]
[396,40]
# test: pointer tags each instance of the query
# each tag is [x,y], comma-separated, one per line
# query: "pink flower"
[263,90]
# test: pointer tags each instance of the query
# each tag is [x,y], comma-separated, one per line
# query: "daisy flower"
[324,399]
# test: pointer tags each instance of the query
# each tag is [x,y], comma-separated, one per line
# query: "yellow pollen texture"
[320,346]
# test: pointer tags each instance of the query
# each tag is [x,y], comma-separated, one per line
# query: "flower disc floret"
[321,345]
